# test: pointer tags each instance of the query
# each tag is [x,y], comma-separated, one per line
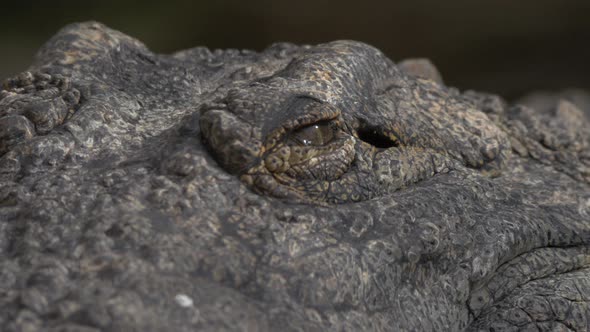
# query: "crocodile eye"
[317,134]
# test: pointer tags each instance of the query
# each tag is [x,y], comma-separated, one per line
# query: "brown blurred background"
[504,46]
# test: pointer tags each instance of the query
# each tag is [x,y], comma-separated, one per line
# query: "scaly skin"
[391,130]
[299,188]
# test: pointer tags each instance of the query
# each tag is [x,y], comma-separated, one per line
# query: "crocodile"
[298,188]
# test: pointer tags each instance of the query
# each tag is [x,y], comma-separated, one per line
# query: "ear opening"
[372,135]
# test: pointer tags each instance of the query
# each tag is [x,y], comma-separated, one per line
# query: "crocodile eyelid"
[325,112]
[317,134]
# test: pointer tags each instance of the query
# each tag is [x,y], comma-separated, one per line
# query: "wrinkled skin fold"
[298,188]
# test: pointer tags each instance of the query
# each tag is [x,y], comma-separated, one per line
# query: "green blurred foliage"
[504,46]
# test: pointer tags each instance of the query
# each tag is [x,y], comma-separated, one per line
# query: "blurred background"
[503,46]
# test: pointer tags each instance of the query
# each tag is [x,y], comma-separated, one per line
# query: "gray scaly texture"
[301,188]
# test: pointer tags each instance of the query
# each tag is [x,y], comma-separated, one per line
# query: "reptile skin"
[300,188]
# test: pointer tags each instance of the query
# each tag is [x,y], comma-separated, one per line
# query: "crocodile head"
[318,188]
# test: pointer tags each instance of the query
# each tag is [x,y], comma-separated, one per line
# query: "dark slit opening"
[374,137]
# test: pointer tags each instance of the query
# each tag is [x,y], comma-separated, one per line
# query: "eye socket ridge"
[317,134]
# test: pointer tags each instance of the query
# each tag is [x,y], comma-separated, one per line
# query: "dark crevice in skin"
[373,136]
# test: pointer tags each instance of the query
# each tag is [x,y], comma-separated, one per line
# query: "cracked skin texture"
[299,188]
[389,130]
